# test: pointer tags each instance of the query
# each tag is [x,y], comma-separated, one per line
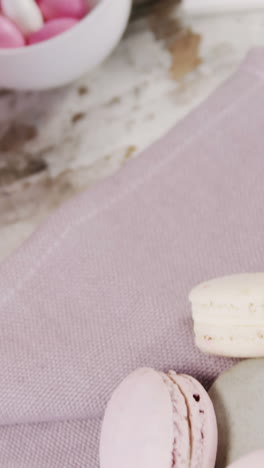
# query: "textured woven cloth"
[102,287]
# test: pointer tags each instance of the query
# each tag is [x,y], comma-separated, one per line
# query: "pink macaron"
[51,29]
[158,420]
[254,460]
[10,36]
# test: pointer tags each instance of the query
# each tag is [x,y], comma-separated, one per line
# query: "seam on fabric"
[130,189]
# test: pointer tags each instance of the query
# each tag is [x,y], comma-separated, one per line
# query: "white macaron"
[228,315]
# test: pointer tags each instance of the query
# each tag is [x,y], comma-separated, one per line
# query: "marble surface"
[55,144]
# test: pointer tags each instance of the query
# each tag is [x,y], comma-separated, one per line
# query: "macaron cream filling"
[181,447]
[188,421]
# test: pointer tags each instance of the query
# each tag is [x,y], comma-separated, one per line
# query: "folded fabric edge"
[53,233]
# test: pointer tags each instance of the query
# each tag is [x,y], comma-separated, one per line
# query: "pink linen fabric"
[102,287]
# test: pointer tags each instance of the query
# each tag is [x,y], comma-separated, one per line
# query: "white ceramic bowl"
[66,57]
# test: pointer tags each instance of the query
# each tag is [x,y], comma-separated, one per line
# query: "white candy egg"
[25,13]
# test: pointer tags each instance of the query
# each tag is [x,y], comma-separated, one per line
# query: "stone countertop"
[55,144]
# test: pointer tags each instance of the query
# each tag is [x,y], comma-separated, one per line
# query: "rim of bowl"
[89,17]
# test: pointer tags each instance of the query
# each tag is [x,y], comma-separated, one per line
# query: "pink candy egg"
[10,36]
[63,8]
[52,28]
